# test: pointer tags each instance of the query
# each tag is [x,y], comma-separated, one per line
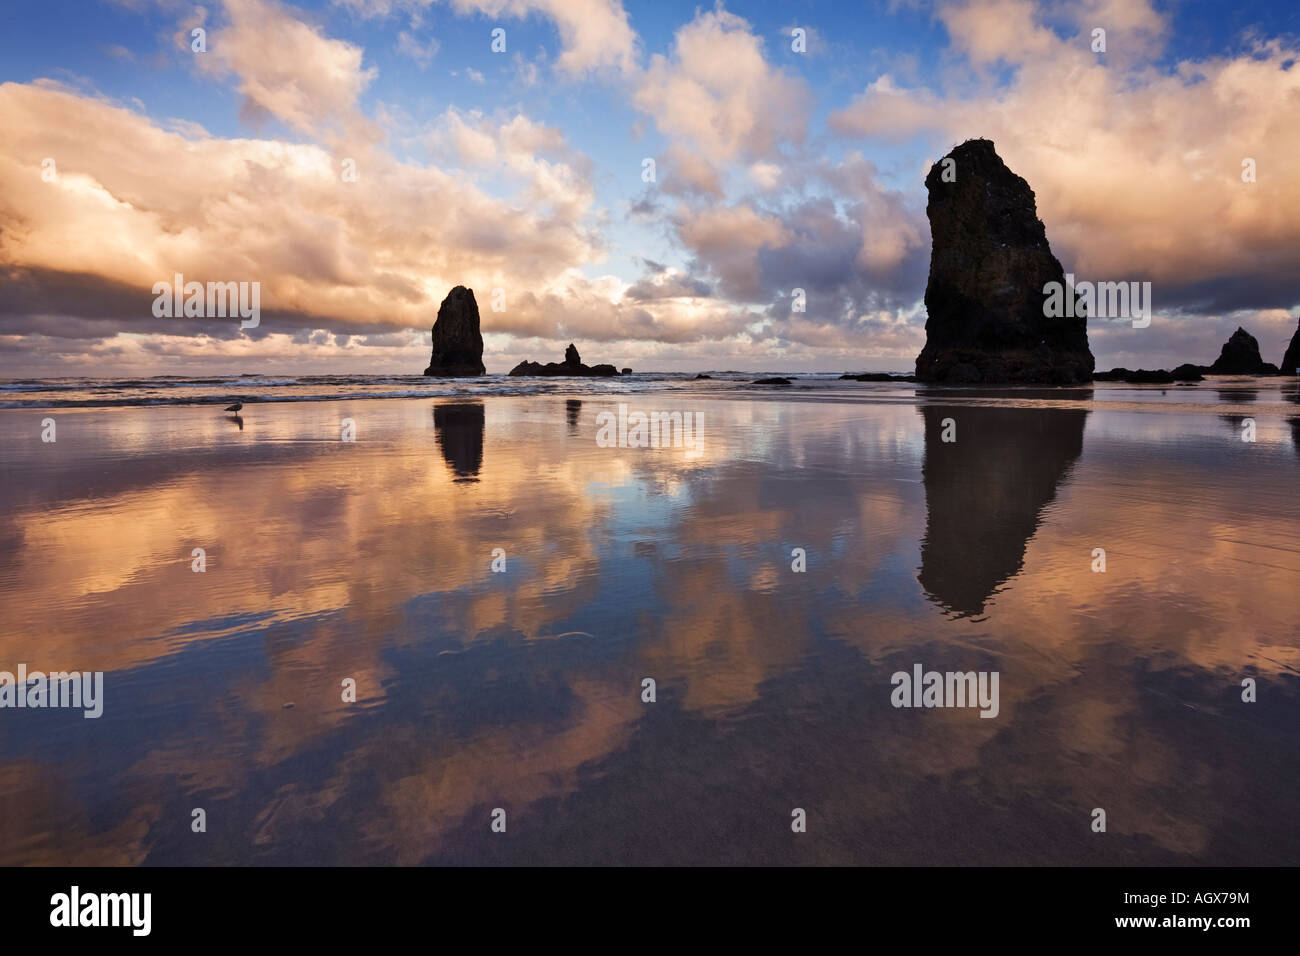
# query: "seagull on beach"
[235,407]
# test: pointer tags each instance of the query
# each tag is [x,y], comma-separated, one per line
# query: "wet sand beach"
[522,688]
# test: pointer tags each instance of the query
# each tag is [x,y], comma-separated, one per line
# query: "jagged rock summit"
[457,341]
[989,263]
[572,365]
[1240,356]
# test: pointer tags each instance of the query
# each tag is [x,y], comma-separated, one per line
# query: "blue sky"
[807,170]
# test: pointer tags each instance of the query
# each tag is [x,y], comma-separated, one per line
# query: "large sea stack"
[1291,360]
[988,265]
[457,341]
[1240,356]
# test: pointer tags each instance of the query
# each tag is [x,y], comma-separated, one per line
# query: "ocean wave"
[55,393]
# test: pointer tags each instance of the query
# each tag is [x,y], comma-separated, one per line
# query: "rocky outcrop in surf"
[1184,373]
[1240,356]
[457,341]
[572,365]
[989,264]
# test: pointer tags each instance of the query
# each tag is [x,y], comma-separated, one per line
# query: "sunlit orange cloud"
[1137,173]
[372,252]
[338,259]
[134,201]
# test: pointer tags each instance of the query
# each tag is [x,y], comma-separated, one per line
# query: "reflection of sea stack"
[459,427]
[457,341]
[1240,356]
[985,493]
[988,265]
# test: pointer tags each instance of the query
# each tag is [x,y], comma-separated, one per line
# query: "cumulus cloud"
[594,34]
[422,52]
[666,283]
[1137,170]
[347,267]
[556,176]
[718,95]
[854,246]
[289,69]
[683,172]
[735,121]
[376,252]
[730,239]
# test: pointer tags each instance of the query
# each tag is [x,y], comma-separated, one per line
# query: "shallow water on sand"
[522,690]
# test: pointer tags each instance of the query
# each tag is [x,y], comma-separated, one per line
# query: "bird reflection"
[985,493]
[235,408]
[459,427]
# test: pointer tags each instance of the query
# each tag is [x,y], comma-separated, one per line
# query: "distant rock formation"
[457,342]
[989,263]
[771,381]
[1240,356]
[1184,373]
[1291,360]
[572,365]
[1187,372]
[877,377]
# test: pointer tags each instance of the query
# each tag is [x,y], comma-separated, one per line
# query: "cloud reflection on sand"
[522,690]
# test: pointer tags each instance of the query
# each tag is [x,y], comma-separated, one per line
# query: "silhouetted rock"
[626,371]
[459,428]
[1140,376]
[985,297]
[457,341]
[1184,373]
[571,366]
[1240,356]
[877,377]
[1153,376]
[1291,360]
[771,381]
[702,375]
